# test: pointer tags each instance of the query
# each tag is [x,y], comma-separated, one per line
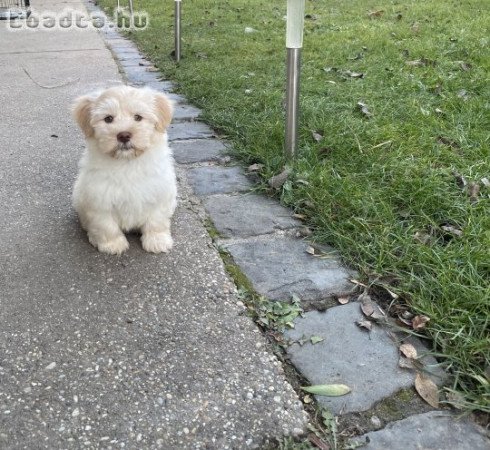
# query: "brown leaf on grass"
[473,191]
[452,230]
[349,73]
[460,179]
[364,109]
[415,28]
[422,237]
[366,324]
[343,300]
[375,14]
[427,389]
[419,322]
[299,216]
[325,151]
[462,93]
[357,57]
[464,66]
[446,141]
[317,442]
[311,17]
[422,62]
[317,135]
[255,167]
[278,180]
[409,351]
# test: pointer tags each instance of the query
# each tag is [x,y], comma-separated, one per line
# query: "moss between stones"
[397,407]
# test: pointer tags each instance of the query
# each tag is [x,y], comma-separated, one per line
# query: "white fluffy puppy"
[127,179]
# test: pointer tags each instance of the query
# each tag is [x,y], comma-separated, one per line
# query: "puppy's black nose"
[124,136]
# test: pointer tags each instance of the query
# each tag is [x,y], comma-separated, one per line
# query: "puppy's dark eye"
[138,118]
[108,119]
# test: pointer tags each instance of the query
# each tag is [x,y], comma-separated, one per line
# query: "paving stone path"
[262,238]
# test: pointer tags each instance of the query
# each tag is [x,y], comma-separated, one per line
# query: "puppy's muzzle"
[124,137]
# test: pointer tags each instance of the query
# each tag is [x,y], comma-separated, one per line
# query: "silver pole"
[293,69]
[131,16]
[177,29]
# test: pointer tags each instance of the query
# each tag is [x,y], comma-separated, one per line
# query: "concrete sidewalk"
[140,351]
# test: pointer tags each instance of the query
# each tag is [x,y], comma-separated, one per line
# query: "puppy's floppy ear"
[164,110]
[81,112]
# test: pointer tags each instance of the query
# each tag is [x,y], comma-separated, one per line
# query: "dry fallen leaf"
[255,167]
[485,181]
[350,74]
[299,216]
[405,363]
[455,399]
[366,324]
[473,191]
[427,389]
[460,179]
[307,399]
[409,351]
[369,308]
[422,237]
[452,230]
[419,322]
[317,442]
[324,151]
[304,232]
[446,141]
[278,180]
[364,109]
[316,339]
[375,14]
[310,250]
[327,390]
[317,135]
[343,300]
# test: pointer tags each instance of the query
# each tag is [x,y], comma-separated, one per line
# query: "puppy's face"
[123,121]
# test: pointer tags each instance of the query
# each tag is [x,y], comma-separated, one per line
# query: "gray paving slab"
[218,180]
[191,130]
[436,430]
[367,362]
[137,351]
[139,74]
[198,150]
[248,215]
[184,112]
[280,267]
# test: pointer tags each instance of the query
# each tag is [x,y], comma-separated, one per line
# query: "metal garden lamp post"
[294,42]
[131,13]
[177,29]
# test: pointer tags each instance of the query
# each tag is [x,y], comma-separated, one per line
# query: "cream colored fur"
[124,186]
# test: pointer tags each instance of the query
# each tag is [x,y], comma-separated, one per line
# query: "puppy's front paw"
[157,242]
[114,247]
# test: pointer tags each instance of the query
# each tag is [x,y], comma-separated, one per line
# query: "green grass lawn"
[386,190]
